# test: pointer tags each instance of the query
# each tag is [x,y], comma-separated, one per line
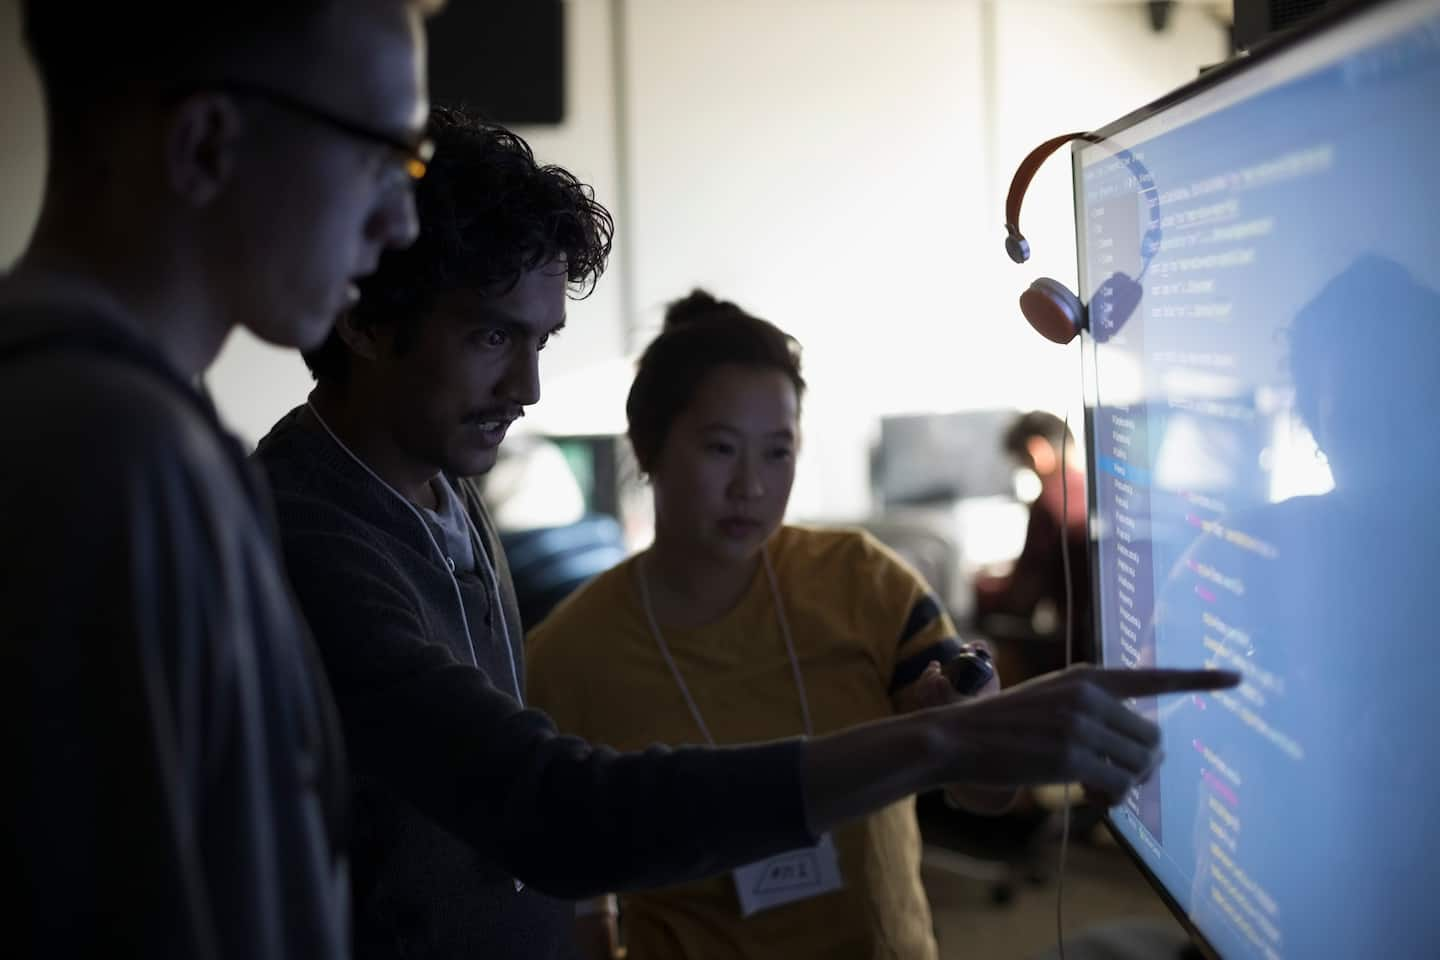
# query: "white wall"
[585,145]
[837,166]
[819,162]
[1062,67]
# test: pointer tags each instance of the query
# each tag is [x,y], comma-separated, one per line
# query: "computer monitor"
[939,457]
[1264,458]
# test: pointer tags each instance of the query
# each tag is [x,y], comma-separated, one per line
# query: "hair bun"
[699,306]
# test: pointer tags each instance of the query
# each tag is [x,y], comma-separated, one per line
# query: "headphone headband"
[1015,243]
[1018,248]
[1055,312]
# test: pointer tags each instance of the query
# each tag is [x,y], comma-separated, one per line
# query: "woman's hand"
[932,689]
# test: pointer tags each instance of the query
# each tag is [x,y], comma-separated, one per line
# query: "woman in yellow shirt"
[733,628]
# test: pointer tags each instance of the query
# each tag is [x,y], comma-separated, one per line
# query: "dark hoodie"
[458,789]
[176,786]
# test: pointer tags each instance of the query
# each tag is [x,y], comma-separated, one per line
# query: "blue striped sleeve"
[909,669]
[925,612]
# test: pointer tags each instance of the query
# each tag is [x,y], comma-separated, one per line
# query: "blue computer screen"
[1263,432]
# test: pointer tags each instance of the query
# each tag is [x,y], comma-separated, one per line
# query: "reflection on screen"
[1266,456]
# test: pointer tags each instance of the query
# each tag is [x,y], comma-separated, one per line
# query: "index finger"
[1148,682]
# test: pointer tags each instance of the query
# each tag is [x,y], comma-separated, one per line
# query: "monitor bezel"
[1329,19]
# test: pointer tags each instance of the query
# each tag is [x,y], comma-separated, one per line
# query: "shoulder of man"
[315,498]
[78,386]
[78,420]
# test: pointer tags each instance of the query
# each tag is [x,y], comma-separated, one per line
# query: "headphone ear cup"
[1054,312]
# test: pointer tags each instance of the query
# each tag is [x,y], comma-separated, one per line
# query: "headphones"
[1051,308]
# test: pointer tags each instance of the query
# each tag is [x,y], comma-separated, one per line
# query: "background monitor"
[938,457]
[1264,456]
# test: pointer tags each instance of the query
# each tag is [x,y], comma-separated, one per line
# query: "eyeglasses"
[416,154]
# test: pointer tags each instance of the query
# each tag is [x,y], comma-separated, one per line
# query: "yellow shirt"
[864,623]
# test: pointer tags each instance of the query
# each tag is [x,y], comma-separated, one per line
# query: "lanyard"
[675,670]
[484,562]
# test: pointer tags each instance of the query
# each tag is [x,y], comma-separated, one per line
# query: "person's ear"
[360,338]
[200,141]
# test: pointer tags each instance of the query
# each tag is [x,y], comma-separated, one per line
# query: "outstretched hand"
[1066,727]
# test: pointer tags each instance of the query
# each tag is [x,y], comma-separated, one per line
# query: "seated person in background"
[733,627]
[472,815]
[1031,597]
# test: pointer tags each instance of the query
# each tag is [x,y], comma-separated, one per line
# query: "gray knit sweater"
[458,789]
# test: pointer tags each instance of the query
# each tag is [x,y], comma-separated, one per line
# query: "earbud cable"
[1069,651]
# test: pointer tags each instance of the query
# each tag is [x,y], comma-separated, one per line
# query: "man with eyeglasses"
[177,782]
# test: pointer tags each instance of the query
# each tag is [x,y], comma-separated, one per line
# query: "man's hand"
[1065,727]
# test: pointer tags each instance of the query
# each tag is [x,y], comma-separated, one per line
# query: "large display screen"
[1264,452]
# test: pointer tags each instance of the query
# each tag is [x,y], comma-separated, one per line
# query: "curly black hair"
[488,214]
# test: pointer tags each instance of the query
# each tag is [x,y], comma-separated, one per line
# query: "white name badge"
[788,877]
